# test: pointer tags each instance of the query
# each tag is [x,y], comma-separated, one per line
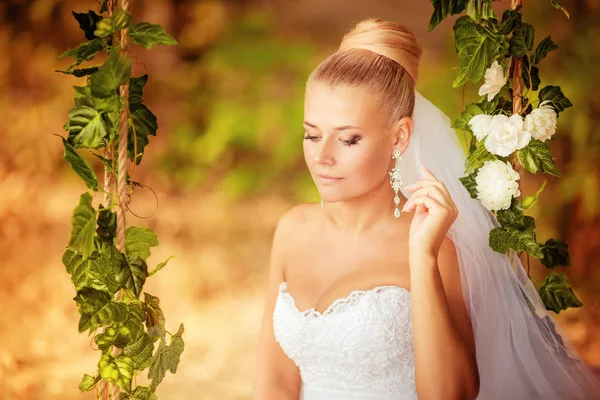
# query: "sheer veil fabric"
[521,351]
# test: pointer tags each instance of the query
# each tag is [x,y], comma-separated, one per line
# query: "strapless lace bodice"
[360,347]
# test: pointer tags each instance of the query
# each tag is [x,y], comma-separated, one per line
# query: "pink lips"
[327,178]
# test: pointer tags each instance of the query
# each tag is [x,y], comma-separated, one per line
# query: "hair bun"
[388,39]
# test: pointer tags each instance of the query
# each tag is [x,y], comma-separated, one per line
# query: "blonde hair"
[381,56]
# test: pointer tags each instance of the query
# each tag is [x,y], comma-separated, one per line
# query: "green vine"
[130,332]
[482,38]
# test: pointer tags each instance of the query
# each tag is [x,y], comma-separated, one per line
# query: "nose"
[323,152]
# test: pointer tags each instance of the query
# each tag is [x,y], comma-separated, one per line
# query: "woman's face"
[347,144]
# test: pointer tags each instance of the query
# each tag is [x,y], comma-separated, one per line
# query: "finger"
[432,205]
[430,185]
[428,173]
[435,192]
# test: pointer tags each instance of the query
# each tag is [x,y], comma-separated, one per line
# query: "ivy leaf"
[526,241]
[522,40]
[80,166]
[556,293]
[513,216]
[155,319]
[88,382]
[138,242]
[114,72]
[118,336]
[104,6]
[141,393]
[117,370]
[470,184]
[83,97]
[536,156]
[473,109]
[140,351]
[86,127]
[83,223]
[530,74]
[510,18]
[475,51]
[81,72]
[160,266]
[110,25]
[499,240]
[175,349]
[96,308]
[556,5]
[148,35]
[144,122]
[556,97]
[531,200]
[166,358]
[503,238]
[136,89]
[134,274]
[477,158]
[87,23]
[543,48]
[97,272]
[478,10]
[107,225]
[84,52]
[556,252]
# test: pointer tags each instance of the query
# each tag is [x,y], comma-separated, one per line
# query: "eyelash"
[350,142]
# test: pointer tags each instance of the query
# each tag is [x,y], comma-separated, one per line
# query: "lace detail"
[362,342]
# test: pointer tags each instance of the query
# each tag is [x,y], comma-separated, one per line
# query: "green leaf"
[104,6]
[543,48]
[155,319]
[556,293]
[110,25]
[159,266]
[87,23]
[117,370]
[141,393]
[118,336]
[148,35]
[80,166]
[556,252]
[166,358]
[96,309]
[140,351]
[97,271]
[134,274]
[84,52]
[107,225]
[83,97]
[136,89]
[86,127]
[470,184]
[144,122]
[175,349]
[475,51]
[114,72]
[522,39]
[88,382]
[81,72]
[473,109]
[499,240]
[513,216]
[510,18]
[138,242]
[556,5]
[476,159]
[83,223]
[481,9]
[531,200]
[526,241]
[555,95]
[536,156]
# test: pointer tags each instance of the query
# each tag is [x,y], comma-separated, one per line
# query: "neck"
[367,212]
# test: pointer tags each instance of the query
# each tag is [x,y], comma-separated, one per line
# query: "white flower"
[494,81]
[541,122]
[480,125]
[506,135]
[497,185]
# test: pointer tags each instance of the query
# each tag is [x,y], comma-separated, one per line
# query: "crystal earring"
[396,180]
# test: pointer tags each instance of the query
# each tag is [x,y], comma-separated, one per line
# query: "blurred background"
[227,163]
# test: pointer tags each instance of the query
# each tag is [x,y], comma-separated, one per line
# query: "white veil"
[521,351]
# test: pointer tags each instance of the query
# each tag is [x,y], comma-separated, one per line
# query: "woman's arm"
[276,377]
[445,363]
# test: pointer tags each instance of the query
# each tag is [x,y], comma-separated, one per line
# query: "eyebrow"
[339,128]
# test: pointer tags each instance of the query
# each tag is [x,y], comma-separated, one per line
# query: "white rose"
[507,135]
[541,122]
[480,125]
[494,81]
[497,185]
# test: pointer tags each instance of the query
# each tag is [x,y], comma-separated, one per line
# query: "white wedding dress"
[360,347]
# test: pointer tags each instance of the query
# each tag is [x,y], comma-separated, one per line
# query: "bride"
[389,290]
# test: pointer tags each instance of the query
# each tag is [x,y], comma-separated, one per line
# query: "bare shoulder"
[296,220]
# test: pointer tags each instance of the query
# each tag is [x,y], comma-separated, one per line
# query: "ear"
[401,132]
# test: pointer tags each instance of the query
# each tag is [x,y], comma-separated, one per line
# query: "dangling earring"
[396,180]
